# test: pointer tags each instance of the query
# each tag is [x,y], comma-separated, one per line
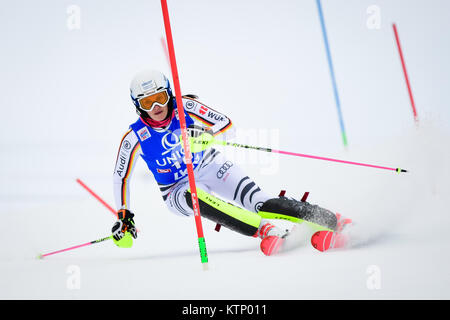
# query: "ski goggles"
[159,98]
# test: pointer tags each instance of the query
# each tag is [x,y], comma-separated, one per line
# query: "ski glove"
[199,138]
[195,131]
[123,224]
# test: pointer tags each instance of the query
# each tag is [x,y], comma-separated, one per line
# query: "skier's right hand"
[123,224]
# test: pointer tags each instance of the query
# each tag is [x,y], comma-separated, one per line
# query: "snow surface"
[65,106]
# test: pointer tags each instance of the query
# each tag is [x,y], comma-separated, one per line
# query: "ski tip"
[205,266]
[318,241]
[401,170]
[40,256]
[271,245]
[325,240]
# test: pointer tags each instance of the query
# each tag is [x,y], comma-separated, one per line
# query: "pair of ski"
[323,239]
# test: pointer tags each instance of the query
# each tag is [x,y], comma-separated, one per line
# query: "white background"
[65,106]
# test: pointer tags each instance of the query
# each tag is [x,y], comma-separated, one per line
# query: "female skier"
[155,137]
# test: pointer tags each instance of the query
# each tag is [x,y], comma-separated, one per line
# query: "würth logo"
[215,116]
[203,110]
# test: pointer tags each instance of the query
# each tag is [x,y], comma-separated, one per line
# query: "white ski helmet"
[148,82]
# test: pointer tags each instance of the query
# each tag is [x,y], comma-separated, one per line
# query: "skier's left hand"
[194,131]
[199,138]
[123,224]
[202,142]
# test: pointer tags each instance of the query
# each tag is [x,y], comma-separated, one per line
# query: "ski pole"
[41,255]
[238,145]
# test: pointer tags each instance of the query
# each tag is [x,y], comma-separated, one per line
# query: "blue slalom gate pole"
[333,78]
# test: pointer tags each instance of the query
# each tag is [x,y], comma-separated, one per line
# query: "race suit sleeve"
[219,123]
[129,151]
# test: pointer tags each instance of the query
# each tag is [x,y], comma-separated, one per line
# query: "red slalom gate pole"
[114,212]
[166,51]
[405,73]
[97,197]
[184,135]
